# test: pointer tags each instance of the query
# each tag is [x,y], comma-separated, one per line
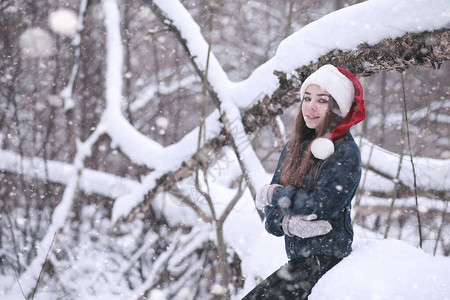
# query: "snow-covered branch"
[91,181]
[432,174]
[67,92]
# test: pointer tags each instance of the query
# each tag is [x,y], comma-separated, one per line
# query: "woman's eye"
[323,101]
[307,99]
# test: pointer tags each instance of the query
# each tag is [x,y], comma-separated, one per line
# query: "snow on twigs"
[29,279]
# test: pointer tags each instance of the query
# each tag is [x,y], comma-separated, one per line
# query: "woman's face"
[315,105]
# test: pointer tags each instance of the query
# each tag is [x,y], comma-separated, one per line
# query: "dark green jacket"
[329,197]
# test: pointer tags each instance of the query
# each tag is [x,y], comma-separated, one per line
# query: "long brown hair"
[299,161]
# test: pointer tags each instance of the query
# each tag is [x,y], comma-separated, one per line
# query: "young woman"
[309,198]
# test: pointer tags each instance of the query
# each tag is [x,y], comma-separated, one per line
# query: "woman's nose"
[312,106]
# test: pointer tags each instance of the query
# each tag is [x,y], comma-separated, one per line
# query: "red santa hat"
[347,91]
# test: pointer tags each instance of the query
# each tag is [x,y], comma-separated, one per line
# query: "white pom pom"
[322,148]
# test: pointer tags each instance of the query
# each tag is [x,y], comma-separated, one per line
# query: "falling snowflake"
[36,42]
[162,122]
[63,22]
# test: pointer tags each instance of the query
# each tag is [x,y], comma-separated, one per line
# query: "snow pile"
[376,269]
[386,269]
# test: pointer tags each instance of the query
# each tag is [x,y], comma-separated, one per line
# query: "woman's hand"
[303,226]
[264,196]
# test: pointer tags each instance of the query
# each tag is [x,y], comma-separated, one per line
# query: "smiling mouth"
[312,117]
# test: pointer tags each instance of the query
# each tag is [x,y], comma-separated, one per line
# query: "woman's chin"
[311,125]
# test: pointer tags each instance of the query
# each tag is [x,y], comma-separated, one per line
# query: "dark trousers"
[294,280]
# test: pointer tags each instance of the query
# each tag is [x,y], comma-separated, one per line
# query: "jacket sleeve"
[275,215]
[333,190]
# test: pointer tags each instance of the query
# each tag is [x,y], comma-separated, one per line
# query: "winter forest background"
[134,133]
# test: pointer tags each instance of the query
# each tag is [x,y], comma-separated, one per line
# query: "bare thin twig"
[233,202]
[192,205]
[396,180]
[20,286]
[360,192]
[444,213]
[412,162]
[43,267]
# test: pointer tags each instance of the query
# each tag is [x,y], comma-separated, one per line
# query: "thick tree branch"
[426,49]
[389,54]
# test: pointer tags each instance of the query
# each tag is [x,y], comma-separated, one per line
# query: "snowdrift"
[386,269]
[381,269]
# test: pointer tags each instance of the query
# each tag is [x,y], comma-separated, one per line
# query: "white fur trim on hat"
[322,148]
[334,82]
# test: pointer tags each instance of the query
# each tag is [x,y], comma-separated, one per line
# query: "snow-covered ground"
[376,269]
[386,269]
